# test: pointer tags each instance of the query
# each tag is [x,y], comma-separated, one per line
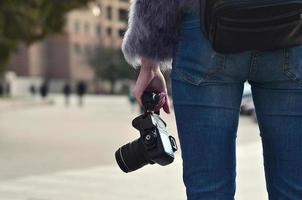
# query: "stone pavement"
[150,183]
[59,153]
[8,104]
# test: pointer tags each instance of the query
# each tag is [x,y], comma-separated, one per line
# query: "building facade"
[66,56]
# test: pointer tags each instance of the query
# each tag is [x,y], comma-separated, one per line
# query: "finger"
[161,103]
[166,106]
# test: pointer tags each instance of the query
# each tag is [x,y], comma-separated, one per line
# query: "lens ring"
[122,158]
[132,156]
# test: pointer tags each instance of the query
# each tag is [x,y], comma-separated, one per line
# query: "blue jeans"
[207,90]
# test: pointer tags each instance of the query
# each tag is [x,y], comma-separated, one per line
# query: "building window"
[87,27]
[121,32]
[109,31]
[123,15]
[109,13]
[76,26]
[77,48]
[98,29]
[88,50]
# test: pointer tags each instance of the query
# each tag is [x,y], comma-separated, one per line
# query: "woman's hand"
[151,79]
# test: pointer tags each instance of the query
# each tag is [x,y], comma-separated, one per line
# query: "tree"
[31,20]
[110,65]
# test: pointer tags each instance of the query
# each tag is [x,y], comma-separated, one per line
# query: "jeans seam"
[286,68]
[207,76]
[253,64]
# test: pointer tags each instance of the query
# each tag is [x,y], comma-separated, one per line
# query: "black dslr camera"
[154,144]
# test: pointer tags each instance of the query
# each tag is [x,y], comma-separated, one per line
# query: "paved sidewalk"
[12,104]
[67,153]
[109,183]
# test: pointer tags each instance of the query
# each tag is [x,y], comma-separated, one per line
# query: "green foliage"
[30,20]
[110,65]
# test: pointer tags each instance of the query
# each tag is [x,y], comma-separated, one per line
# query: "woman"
[207,90]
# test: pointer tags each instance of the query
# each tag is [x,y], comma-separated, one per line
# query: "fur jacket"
[153,30]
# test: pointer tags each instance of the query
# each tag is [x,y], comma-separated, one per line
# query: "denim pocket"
[292,67]
[194,60]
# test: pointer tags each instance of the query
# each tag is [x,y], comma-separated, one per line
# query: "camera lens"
[131,156]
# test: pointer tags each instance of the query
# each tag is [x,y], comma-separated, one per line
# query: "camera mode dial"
[150,139]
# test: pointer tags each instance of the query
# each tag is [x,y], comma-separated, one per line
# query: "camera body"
[154,145]
[158,144]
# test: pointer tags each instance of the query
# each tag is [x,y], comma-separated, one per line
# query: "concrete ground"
[53,152]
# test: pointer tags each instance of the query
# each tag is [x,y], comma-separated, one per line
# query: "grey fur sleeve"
[152,31]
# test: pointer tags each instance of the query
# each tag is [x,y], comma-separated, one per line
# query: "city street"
[53,152]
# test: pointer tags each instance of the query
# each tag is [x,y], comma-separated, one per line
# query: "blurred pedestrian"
[67,92]
[1,90]
[44,89]
[81,91]
[7,89]
[32,90]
